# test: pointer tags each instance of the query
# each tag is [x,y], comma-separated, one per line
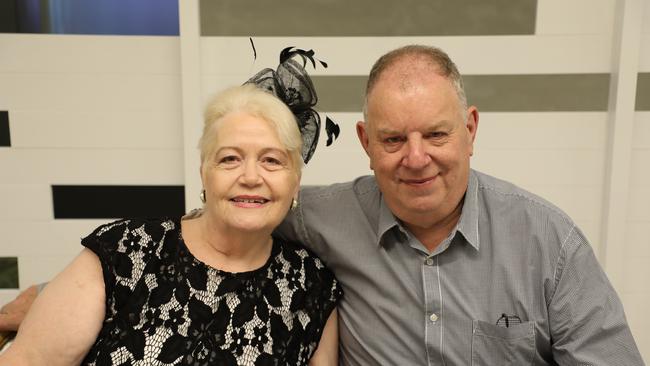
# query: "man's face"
[419,144]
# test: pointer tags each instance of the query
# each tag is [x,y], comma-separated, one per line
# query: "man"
[443,265]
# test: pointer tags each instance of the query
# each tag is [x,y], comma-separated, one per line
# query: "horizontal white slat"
[638,203]
[556,130]
[91,166]
[51,53]
[535,54]
[21,202]
[644,48]
[580,202]
[568,17]
[113,128]
[641,138]
[540,166]
[90,92]
[45,238]
[37,269]
[640,170]
[637,240]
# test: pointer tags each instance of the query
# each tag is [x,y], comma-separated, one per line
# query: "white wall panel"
[551,130]
[39,269]
[590,53]
[21,202]
[638,242]
[644,51]
[646,20]
[156,128]
[575,16]
[639,202]
[641,139]
[45,238]
[540,166]
[52,53]
[91,166]
[640,169]
[90,92]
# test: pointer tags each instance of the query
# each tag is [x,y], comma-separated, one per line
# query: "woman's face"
[249,178]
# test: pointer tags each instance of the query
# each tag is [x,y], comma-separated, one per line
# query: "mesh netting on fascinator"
[291,84]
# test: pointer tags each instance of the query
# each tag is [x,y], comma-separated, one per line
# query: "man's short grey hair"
[437,57]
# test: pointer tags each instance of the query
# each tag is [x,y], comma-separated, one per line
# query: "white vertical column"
[625,66]
[190,52]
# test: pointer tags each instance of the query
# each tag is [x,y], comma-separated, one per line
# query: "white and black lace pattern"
[165,307]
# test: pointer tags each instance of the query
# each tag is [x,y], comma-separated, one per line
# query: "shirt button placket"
[433,307]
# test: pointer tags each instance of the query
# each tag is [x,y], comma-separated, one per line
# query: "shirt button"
[428,262]
[433,318]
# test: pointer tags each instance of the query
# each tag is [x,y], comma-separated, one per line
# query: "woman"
[213,288]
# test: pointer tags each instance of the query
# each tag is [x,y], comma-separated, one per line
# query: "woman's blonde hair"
[254,101]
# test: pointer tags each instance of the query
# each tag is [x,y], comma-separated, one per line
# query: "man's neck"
[432,234]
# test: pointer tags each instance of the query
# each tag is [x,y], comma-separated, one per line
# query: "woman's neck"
[228,250]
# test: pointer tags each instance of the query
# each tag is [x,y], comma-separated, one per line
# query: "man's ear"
[362,134]
[472,126]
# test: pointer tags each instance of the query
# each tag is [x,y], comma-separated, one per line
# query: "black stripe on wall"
[8,272]
[345,18]
[643,92]
[490,93]
[5,140]
[92,202]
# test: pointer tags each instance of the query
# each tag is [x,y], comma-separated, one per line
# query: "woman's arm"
[64,320]
[327,352]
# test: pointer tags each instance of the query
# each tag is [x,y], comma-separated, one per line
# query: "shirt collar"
[386,220]
[467,225]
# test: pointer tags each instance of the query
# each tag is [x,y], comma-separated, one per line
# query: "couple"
[440,264]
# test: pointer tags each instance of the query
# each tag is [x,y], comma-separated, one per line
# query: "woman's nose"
[251,174]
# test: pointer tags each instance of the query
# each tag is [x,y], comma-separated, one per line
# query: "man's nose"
[416,157]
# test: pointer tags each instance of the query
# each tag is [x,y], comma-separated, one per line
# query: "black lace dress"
[165,307]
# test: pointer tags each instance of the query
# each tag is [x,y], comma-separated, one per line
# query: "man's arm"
[13,313]
[588,325]
[64,320]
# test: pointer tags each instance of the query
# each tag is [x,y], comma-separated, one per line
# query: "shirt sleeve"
[588,325]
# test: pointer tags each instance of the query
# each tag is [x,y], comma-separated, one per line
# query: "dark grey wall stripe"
[643,92]
[8,272]
[523,93]
[491,93]
[347,18]
[84,202]
[5,139]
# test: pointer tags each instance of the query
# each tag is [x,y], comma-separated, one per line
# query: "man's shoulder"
[359,187]
[502,192]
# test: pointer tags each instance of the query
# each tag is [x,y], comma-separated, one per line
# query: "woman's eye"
[230,159]
[271,161]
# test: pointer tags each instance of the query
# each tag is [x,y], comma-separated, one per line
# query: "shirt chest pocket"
[497,345]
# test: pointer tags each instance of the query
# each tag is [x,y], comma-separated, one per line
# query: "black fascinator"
[293,86]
